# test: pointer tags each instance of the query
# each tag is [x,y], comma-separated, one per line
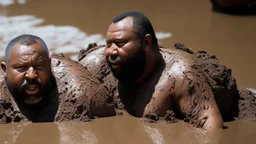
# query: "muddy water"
[123,129]
[230,38]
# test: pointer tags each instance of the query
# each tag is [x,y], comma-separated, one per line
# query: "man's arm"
[196,100]
[185,90]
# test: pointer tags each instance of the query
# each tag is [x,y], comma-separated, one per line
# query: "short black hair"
[141,24]
[25,39]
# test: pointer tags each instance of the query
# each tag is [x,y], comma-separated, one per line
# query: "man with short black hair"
[156,83]
[45,89]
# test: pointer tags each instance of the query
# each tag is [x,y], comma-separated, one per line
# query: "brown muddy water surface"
[123,129]
[230,38]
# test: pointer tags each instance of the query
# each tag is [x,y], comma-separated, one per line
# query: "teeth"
[31,87]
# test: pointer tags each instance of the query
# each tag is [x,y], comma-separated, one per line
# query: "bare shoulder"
[177,61]
[82,96]
[93,59]
[182,80]
[188,88]
[9,111]
[179,66]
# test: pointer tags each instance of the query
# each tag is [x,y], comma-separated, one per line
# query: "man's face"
[28,73]
[124,51]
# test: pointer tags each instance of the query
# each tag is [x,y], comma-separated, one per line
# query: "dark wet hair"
[141,24]
[25,39]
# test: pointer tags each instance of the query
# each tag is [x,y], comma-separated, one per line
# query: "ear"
[3,66]
[50,61]
[148,41]
[50,64]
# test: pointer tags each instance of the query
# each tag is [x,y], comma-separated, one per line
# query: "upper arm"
[196,100]
[192,95]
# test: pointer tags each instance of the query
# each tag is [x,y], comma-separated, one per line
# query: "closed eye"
[120,44]
[21,68]
[38,67]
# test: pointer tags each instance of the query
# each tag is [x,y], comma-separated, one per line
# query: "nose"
[31,73]
[112,51]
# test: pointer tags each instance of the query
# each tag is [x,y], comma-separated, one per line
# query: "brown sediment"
[81,96]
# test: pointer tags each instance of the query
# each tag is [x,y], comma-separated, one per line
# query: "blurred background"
[70,25]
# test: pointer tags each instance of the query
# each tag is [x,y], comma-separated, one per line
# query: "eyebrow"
[115,39]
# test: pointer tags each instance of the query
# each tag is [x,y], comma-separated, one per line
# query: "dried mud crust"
[81,96]
[218,76]
[247,105]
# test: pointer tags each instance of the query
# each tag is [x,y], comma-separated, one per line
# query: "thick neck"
[154,61]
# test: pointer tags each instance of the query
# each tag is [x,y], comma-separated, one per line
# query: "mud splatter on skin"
[81,96]
[93,59]
[219,78]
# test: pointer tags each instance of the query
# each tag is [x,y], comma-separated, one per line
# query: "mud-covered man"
[165,84]
[152,84]
[35,94]
[29,78]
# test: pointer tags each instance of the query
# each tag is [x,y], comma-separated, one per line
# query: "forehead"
[124,25]
[19,49]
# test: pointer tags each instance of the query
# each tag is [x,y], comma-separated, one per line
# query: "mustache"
[29,81]
[114,59]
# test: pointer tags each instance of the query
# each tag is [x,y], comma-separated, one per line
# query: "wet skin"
[164,84]
[124,52]
[30,81]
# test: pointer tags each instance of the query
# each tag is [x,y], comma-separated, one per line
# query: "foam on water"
[59,39]
[10,2]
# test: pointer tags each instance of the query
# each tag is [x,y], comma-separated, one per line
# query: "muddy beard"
[19,95]
[133,68]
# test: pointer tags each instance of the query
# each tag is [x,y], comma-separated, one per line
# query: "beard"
[21,97]
[132,69]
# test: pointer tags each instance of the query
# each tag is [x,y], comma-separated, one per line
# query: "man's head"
[27,69]
[129,38]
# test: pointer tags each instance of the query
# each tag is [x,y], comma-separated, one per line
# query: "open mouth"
[32,89]
[32,94]
[114,65]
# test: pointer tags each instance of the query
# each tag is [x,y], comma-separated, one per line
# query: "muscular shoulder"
[9,112]
[181,76]
[82,96]
[94,60]
[177,62]
[178,66]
